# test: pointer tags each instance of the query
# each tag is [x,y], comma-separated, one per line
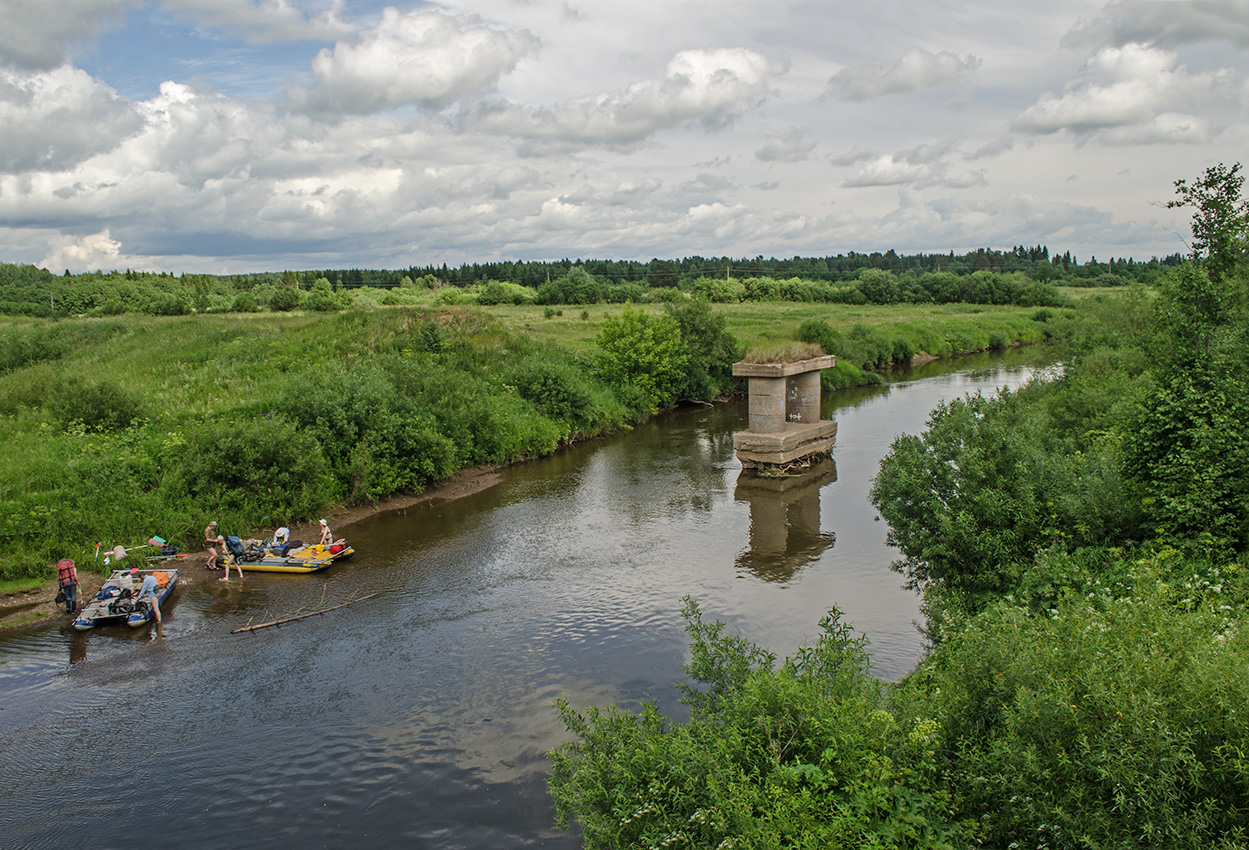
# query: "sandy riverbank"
[37,606]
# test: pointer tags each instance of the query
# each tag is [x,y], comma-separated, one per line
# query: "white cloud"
[39,35]
[424,58]
[887,171]
[624,193]
[1127,87]
[85,253]
[264,22]
[1163,22]
[707,87]
[921,166]
[793,146]
[917,70]
[52,121]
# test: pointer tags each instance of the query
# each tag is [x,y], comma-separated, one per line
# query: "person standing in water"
[210,543]
[147,592]
[67,578]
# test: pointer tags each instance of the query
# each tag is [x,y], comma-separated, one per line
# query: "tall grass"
[118,428]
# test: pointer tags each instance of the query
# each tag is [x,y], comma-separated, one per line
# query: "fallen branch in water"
[293,617]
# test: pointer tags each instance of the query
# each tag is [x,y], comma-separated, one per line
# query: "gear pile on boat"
[118,600]
[290,557]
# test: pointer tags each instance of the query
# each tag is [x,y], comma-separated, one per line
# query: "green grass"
[946,327]
[21,585]
[106,421]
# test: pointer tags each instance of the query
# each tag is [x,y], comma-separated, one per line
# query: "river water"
[421,717]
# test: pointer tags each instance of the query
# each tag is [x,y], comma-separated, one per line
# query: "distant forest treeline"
[1021,275]
[1036,262]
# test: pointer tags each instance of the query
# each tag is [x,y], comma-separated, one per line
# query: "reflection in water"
[785,531]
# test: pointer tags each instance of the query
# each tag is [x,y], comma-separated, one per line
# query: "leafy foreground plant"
[1109,716]
[805,755]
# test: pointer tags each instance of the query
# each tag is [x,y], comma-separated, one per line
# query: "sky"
[227,136]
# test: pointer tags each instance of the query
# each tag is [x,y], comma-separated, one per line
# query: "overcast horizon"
[228,136]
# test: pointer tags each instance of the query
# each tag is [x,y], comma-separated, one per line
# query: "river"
[421,717]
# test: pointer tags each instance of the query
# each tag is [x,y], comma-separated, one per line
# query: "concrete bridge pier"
[785,424]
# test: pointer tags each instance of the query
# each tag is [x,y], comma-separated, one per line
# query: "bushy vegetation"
[1082,550]
[26,290]
[117,428]
[804,754]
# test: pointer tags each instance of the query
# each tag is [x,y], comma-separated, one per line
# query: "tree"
[1188,446]
[1220,218]
[712,349]
[644,352]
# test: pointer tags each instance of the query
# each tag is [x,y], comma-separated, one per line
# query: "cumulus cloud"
[793,146]
[706,87]
[1163,22]
[917,70]
[624,193]
[921,166]
[84,253]
[852,157]
[38,35]
[424,58]
[1129,87]
[887,171]
[53,121]
[264,22]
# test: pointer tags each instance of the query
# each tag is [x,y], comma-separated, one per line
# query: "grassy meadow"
[119,428]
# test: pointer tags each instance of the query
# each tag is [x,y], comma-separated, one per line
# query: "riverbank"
[38,606]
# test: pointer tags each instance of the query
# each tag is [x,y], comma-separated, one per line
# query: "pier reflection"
[785,532]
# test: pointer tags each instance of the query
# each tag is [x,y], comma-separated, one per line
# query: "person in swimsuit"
[210,543]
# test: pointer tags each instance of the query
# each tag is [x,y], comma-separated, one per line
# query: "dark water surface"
[420,717]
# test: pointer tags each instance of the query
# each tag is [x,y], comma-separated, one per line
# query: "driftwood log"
[279,621]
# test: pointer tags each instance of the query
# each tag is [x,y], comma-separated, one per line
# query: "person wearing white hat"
[327,536]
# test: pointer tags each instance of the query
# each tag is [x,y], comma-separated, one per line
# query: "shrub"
[250,470]
[97,404]
[805,755]
[1103,721]
[645,352]
[244,302]
[576,287]
[284,298]
[557,389]
[377,439]
[322,298]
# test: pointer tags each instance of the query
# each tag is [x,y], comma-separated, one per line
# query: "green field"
[117,428]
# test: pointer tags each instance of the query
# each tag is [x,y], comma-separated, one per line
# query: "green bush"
[377,439]
[645,352]
[806,755]
[250,470]
[322,298]
[576,287]
[284,298]
[99,404]
[1102,721]
[559,390]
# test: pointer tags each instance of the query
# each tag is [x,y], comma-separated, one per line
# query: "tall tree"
[1220,218]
